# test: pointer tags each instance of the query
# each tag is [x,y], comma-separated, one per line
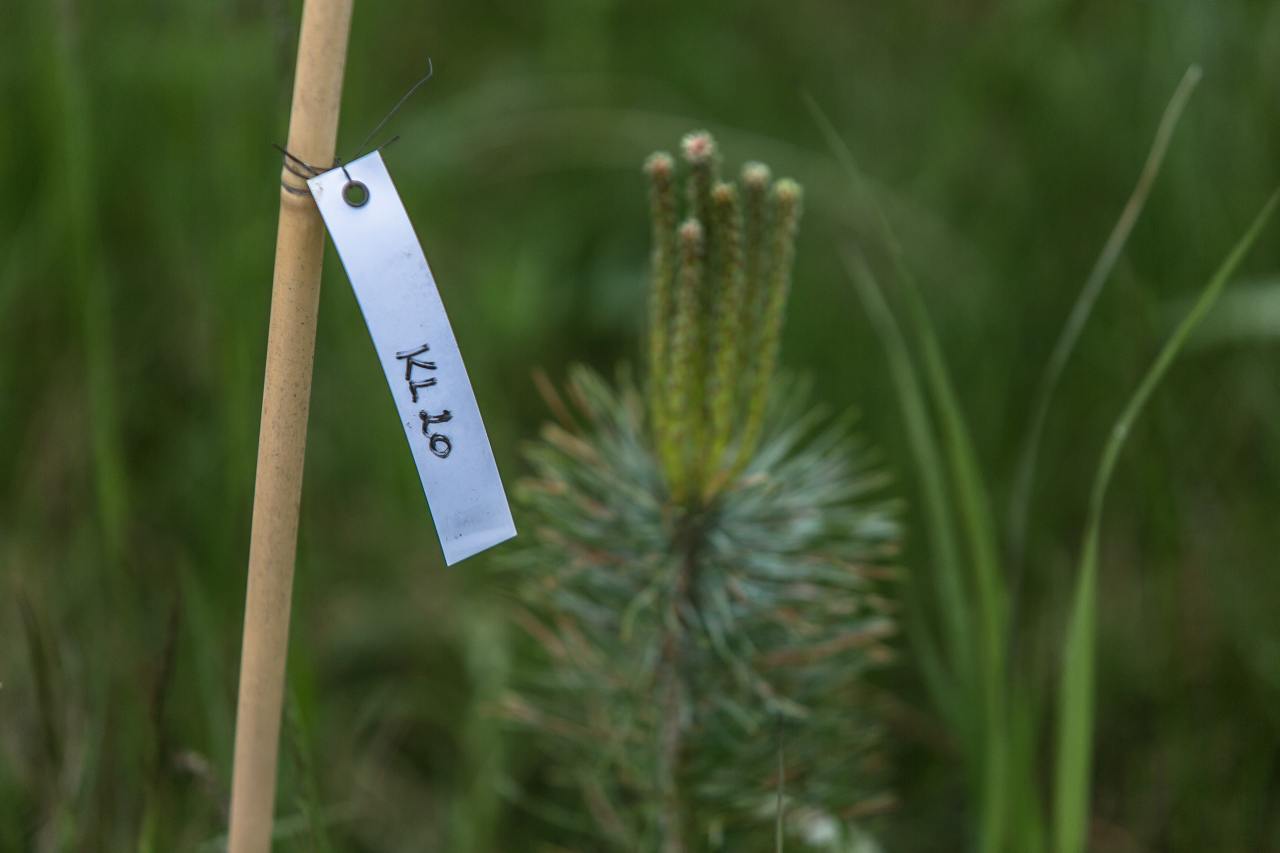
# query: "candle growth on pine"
[717,300]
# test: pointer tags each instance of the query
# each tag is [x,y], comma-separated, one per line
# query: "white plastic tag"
[419,354]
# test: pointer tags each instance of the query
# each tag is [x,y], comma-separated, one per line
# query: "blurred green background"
[136,245]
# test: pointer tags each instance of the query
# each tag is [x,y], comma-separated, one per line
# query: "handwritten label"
[419,355]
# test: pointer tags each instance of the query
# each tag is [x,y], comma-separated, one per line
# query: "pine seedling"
[704,583]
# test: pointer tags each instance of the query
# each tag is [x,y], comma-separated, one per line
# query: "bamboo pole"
[286,396]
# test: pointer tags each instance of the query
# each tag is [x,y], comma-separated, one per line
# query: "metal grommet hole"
[355,194]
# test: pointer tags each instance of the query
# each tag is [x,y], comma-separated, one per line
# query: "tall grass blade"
[78,202]
[43,673]
[920,429]
[989,619]
[1075,712]
[939,523]
[1024,479]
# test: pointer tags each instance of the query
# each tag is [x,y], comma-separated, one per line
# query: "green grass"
[1076,697]
[974,590]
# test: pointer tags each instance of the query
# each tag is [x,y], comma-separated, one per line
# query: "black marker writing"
[438,442]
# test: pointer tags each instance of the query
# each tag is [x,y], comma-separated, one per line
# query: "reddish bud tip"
[698,147]
[691,232]
[659,165]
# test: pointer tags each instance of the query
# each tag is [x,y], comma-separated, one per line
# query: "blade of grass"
[1020,504]
[43,657]
[991,615]
[73,135]
[1075,712]
[939,523]
[1026,804]
[921,432]
[990,619]
[307,798]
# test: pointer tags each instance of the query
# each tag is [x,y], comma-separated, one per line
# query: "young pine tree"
[705,553]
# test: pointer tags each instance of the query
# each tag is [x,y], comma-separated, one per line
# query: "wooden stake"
[286,397]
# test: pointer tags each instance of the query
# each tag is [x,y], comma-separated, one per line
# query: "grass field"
[1002,141]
